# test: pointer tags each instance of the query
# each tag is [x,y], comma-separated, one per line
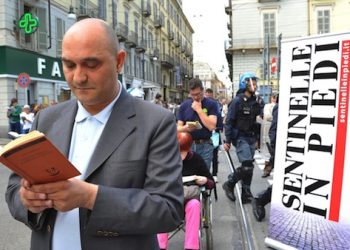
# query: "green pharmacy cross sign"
[28,23]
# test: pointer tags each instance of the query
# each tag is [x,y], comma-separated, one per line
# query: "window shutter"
[42,30]
[60,28]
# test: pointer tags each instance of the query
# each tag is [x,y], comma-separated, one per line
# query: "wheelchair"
[205,233]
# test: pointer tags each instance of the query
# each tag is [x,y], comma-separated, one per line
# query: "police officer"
[239,130]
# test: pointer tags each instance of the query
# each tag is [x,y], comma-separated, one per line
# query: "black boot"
[258,209]
[229,185]
[246,195]
[229,190]
[258,203]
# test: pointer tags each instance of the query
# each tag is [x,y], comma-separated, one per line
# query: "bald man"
[126,149]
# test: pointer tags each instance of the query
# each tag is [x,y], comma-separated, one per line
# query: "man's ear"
[120,60]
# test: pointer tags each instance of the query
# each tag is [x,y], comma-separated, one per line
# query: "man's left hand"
[196,106]
[69,194]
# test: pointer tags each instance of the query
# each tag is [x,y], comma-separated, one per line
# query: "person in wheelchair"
[195,174]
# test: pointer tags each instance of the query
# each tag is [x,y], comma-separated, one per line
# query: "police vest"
[246,115]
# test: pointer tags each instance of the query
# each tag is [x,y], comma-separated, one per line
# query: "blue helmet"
[243,79]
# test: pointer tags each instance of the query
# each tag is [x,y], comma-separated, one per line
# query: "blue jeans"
[206,151]
[245,148]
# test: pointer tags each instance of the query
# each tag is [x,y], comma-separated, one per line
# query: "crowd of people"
[112,204]
[21,118]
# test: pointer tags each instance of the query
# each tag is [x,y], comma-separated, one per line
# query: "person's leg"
[205,150]
[18,127]
[192,217]
[215,161]
[258,203]
[246,156]
[163,240]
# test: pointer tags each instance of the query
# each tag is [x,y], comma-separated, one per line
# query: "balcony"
[146,11]
[132,39]
[171,35]
[177,42]
[155,54]
[187,52]
[122,32]
[252,43]
[183,48]
[158,22]
[141,46]
[268,1]
[167,62]
[229,26]
[228,10]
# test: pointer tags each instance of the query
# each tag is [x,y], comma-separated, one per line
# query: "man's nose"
[80,75]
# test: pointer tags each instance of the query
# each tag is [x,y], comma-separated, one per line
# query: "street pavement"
[227,230]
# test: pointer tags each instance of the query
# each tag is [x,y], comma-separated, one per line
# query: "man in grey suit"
[126,149]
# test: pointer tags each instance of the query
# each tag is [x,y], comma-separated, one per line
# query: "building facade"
[254,29]
[155,34]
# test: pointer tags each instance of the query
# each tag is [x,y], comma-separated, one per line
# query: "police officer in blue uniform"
[239,131]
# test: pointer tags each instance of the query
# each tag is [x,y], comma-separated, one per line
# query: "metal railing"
[247,232]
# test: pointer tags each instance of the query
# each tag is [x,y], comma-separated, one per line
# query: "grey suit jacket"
[137,166]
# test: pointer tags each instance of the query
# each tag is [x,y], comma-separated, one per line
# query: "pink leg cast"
[163,240]
[192,215]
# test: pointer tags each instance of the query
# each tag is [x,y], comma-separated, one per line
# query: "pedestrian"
[216,133]
[13,113]
[203,111]
[27,118]
[264,197]
[158,100]
[271,116]
[130,188]
[240,131]
[193,166]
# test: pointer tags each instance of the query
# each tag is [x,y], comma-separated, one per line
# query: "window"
[82,7]
[60,30]
[323,20]
[136,27]
[42,32]
[269,25]
[38,40]
[150,40]
[102,9]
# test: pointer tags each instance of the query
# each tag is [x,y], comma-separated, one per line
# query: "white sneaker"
[215,179]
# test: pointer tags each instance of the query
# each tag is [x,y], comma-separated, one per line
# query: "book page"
[21,140]
[189,178]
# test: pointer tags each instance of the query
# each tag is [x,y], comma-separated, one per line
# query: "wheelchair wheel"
[206,224]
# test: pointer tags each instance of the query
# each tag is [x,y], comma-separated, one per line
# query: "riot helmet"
[246,79]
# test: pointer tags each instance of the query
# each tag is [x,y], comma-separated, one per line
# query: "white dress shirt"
[86,134]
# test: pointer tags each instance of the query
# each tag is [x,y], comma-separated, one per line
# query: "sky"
[209,22]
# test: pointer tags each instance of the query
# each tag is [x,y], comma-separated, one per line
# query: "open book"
[35,158]
[189,178]
[195,123]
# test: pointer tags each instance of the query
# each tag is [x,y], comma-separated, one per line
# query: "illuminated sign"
[28,23]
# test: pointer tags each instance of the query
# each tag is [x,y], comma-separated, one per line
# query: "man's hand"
[196,106]
[67,195]
[33,201]
[201,180]
[227,146]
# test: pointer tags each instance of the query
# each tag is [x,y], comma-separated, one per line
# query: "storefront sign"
[311,186]
[28,23]
[14,61]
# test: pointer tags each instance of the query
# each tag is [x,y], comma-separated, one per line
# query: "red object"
[185,141]
[273,65]
[23,80]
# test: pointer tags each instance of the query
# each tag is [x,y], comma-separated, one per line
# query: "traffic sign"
[23,80]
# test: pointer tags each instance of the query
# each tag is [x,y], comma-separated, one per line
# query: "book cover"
[36,159]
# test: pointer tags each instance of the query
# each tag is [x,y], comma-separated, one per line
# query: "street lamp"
[71,15]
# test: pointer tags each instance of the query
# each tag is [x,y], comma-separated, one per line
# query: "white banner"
[311,186]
